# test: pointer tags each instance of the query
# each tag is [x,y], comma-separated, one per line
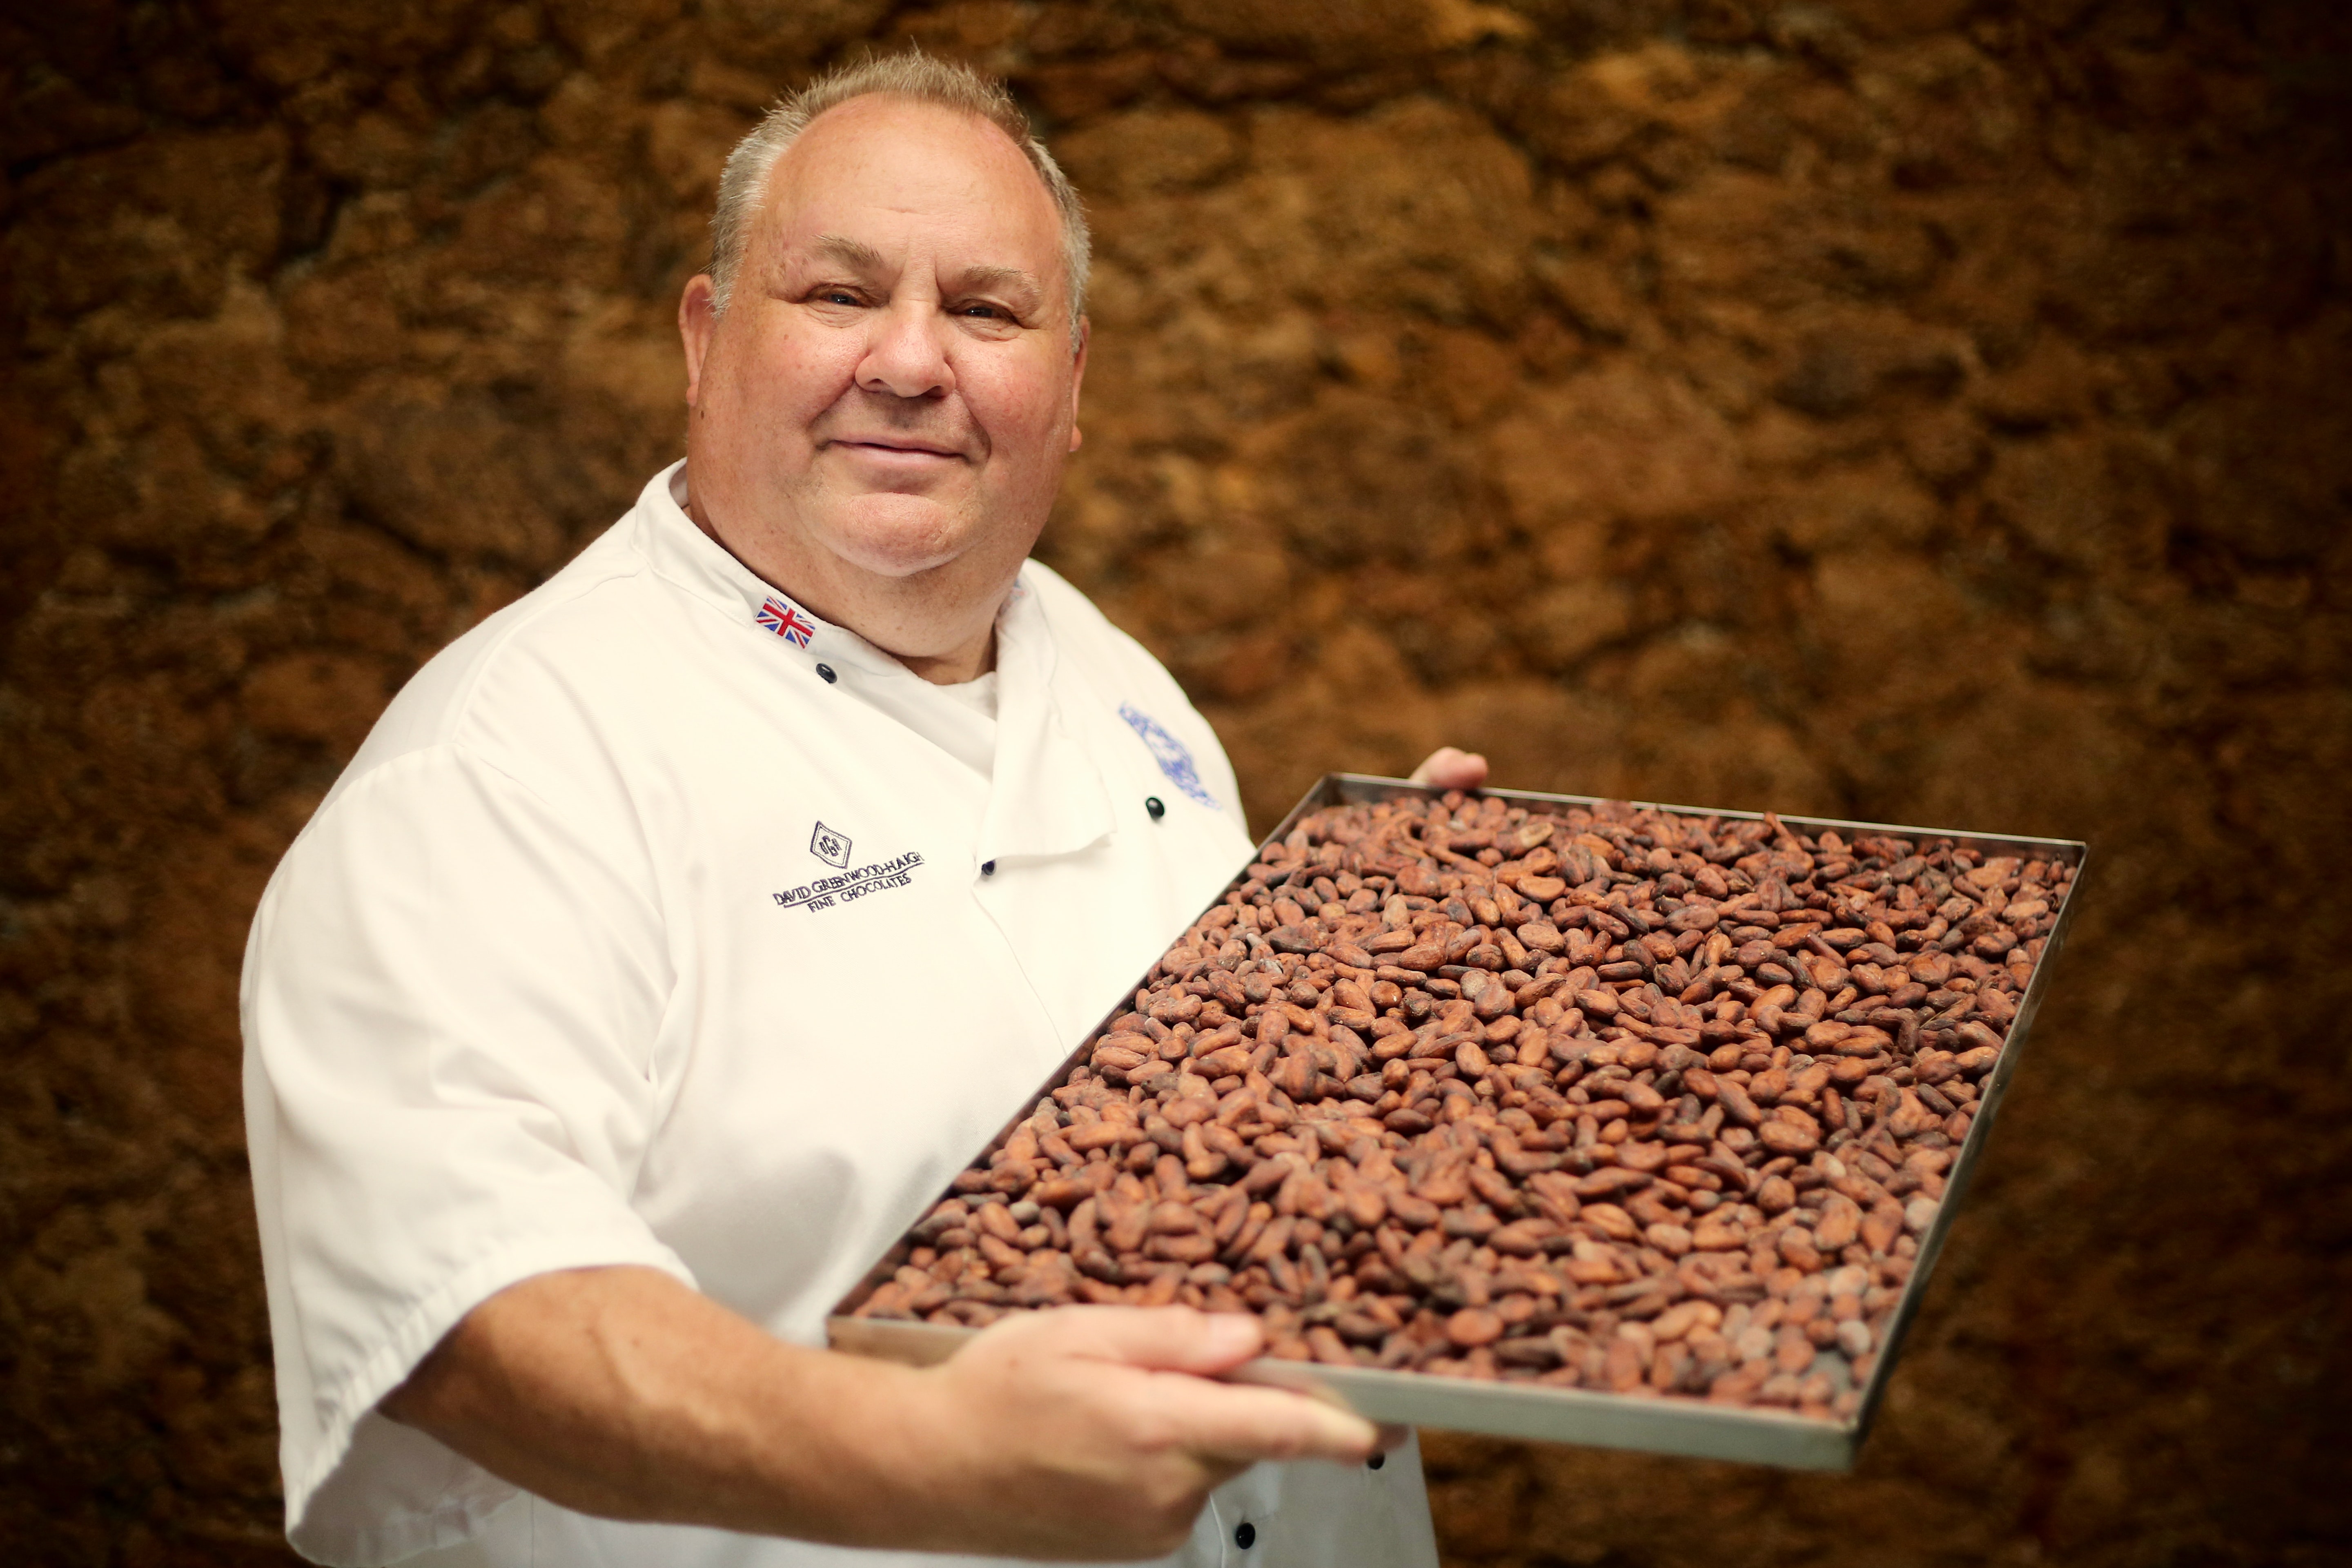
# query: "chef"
[679,930]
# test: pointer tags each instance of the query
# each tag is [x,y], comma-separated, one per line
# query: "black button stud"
[1376,1461]
[988,868]
[1152,803]
[1245,1535]
[824,671]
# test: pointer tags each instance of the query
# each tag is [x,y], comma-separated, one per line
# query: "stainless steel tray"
[1652,1424]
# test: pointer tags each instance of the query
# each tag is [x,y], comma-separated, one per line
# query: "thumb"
[1162,1339]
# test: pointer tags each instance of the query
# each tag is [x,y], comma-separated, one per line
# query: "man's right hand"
[1093,1431]
[1083,1432]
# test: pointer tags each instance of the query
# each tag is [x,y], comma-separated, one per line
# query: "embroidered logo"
[830,845]
[1168,752]
[832,892]
[781,617]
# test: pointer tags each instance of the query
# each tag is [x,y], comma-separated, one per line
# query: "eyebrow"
[851,252]
[1011,279]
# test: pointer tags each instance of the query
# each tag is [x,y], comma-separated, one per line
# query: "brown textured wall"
[1924,410]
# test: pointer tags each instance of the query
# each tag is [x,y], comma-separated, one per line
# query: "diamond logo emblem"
[830,846]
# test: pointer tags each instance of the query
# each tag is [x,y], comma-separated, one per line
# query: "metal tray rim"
[1314,800]
[1748,1433]
[1725,1432]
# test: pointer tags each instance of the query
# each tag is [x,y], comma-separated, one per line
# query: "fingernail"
[1230,1334]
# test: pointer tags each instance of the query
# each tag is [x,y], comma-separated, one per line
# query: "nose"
[906,356]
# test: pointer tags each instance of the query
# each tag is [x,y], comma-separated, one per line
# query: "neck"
[952,669]
[947,639]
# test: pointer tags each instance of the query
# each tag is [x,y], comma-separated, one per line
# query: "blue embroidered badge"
[1170,752]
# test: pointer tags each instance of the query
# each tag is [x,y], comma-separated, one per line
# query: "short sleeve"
[451,997]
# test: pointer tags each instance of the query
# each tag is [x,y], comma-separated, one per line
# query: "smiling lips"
[896,447]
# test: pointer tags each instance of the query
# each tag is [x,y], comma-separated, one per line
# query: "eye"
[838,296]
[985,312]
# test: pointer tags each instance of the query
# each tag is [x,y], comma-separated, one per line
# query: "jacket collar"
[1049,796]
[1046,795]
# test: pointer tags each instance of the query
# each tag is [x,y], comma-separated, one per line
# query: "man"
[680,930]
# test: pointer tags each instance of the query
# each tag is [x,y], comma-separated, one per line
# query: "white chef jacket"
[659,922]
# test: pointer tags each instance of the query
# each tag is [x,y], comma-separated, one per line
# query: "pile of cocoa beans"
[1615,1098]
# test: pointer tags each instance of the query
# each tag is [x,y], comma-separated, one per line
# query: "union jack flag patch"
[786,622]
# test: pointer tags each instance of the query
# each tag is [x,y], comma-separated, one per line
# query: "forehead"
[898,174]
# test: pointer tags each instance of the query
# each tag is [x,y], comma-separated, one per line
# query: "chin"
[898,535]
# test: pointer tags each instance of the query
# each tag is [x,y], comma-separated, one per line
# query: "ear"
[697,325]
[1078,378]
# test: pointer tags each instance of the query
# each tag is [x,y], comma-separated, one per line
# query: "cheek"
[785,379]
[1018,405]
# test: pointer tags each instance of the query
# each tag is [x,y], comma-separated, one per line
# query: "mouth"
[896,447]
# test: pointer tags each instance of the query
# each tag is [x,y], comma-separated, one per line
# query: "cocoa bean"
[1446,1184]
[1975,1036]
[1840,1224]
[1978,1061]
[1642,1158]
[1608,1181]
[1474,1326]
[1522,1238]
[1714,1235]
[1418,1212]
[1911,1118]
[1793,1132]
[1641,1100]
[1494,1188]
[1120,1059]
[1060,1194]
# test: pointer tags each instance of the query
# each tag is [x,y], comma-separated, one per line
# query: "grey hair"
[911,75]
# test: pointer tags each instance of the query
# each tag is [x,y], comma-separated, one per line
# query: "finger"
[1393,1437]
[1158,1339]
[1449,767]
[1465,769]
[1243,1424]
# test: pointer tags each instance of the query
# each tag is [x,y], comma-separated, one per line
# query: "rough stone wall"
[1924,410]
